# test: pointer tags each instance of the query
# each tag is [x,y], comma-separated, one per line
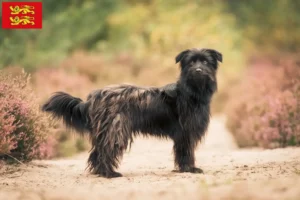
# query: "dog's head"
[198,65]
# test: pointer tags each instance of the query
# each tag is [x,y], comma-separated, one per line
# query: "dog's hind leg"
[103,163]
[109,146]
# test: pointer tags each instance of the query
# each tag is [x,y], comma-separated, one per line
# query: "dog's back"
[147,110]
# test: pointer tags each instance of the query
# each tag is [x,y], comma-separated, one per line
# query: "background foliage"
[273,26]
[64,30]
[267,113]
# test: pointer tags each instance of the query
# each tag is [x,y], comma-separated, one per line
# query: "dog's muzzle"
[203,72]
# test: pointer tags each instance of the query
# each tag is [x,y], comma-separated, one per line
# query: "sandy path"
[230,173]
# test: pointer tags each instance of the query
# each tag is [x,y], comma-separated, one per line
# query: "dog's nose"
[199,70]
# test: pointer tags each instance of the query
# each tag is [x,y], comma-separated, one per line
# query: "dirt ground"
[230,173]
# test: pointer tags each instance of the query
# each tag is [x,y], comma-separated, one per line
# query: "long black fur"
[112,116]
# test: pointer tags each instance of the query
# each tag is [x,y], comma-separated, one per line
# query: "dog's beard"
[211,77]
[200,78]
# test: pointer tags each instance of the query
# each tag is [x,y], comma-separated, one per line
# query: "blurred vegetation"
[23,128]
[110,26]
[67,25]
[86,44]
[269,26]
[149,28]
[268,113]
[263,108]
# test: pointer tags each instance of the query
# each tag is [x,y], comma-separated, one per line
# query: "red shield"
[22,15]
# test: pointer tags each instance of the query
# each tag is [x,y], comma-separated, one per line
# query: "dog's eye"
[205,62]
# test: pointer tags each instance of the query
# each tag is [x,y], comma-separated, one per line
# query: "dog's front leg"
[184,151]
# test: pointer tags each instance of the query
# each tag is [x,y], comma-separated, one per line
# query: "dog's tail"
[72,110]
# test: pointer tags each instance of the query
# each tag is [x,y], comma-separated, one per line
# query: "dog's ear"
[217,55]
[180,56]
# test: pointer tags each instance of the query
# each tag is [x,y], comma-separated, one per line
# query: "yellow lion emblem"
[15,10]
[23,20]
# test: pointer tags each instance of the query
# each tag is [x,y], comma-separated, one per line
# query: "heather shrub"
[264,109]
[23,128]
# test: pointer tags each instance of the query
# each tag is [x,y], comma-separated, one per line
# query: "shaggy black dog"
[112,116]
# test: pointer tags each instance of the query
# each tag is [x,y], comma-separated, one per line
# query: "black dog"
[112,116]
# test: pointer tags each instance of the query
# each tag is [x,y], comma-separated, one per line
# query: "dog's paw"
[193,170]
[196,170]
[115,175]
[111,175]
